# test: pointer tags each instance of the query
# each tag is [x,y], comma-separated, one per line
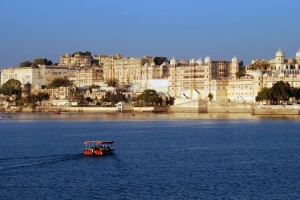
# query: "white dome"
[164,64]
[265,75]
[298,53]
[257,74]
[207,59]
[192,61]
[234,59]
[279,53]
[200,61]
[173,61]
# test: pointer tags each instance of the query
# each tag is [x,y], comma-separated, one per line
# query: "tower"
[173,77]
[234,67]
[298,57]
[279,59]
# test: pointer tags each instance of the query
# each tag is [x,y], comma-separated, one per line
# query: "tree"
[11,87]
[25,64]
[296,93]
[60,82]
[89,99]
[149,97]
[113,97]
[87,53]
[279,92]
[41,96]
[160,60]
[112,82]
[210,96]
[41,61]
[241,72]
[264,95]
[27,89]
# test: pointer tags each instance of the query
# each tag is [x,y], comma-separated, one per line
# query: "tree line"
[278,93]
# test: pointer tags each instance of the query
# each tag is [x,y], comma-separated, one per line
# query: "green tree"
[41,61]
[241,72]
[60,82]
[11,87]
[89,99]
[296,93]
[264,95]
[87,53]
[25,64]
[112,82]
[281,91]
[41,96]
[149,97]
[113,97]
[210,96]
[160,60]
[27,89]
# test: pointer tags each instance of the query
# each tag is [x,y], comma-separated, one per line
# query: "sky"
[185,29]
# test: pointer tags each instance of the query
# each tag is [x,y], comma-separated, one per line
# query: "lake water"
[157,156]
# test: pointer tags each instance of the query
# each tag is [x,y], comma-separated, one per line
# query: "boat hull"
[91,152]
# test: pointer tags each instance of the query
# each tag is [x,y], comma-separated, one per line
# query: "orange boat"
[98,148]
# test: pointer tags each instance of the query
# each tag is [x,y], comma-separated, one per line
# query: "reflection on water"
[27,117]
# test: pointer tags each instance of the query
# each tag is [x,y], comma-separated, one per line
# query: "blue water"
[156,157]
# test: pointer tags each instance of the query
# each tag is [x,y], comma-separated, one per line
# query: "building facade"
[87,76]
[77,59]
[195,79]
[41,76]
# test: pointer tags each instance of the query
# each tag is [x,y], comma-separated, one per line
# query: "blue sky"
[249,29]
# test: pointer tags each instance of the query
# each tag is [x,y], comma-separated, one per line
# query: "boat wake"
[25,162]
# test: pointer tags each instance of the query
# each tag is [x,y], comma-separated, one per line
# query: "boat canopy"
[98,142]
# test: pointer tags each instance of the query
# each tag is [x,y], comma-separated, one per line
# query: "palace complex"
[185,80]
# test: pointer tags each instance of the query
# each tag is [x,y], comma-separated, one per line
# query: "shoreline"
[255,110]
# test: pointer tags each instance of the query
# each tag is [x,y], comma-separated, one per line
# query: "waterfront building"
[197,79]
[60,93]
[133,70]
[77,59]
[87,76]
[41,76]
[279,66]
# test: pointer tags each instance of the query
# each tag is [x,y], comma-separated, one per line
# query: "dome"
[153,64]
[207,59]
[234,59]
[279,53]
[192,61]
[164,64]
[257,74]
[200,61]
[298,53]
[173,61]
[265,75]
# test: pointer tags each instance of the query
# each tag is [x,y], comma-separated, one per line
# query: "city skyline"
[248,30]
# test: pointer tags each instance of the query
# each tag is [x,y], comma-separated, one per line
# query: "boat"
[56,112]
[5,115]
[98,148]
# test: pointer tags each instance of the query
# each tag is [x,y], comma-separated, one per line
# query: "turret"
[234,66]
[298,57]
[279,57]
